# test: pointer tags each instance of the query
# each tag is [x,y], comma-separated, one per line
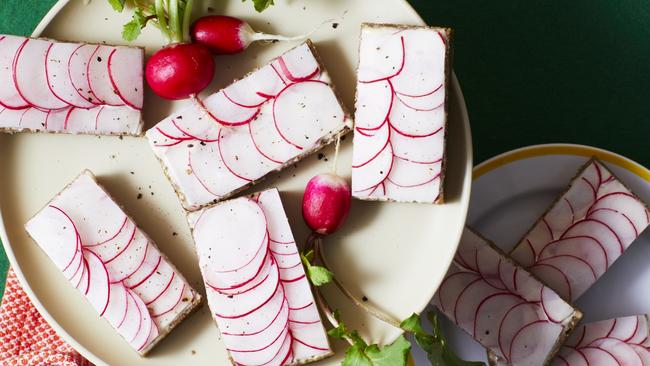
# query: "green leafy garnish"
[261,5]
[118,5]
[362,354]
[133,28]
[317,275]
[435,346]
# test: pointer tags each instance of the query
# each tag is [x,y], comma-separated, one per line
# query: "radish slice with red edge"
[58,75]
[9,96]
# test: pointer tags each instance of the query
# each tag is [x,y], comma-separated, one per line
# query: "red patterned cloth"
[25,337]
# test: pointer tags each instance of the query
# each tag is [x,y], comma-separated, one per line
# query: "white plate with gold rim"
[511,191]
[395,254]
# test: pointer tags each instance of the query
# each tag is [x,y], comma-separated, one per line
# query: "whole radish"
[225,35]
[180,69]
[326,203]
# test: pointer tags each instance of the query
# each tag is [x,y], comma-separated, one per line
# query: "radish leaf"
[118,5]
[317,275]
[132,29]
[261,5]
[435,346]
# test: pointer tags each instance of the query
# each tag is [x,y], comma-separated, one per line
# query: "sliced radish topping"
[99,77]
[370,146]
[374,102]
[414,123]
[99,290]
[595,221]
[501,306]
[58,235]
[148,267]
[267,139]
[372,173]
[126,79]
[9,96]
[297,65]
[383,55]
[407,174]
[423,47]
[30,77]
[117,308]
[58,75]
[233,142]
[78,71]
[227,113]
[255,89]
[306,102]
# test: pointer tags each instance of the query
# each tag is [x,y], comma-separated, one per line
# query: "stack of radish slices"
[571,246]
[256,284]
[70,87]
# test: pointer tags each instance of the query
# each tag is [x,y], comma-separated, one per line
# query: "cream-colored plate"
[395,254]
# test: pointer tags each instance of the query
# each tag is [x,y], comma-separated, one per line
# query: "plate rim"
[533,151]
[468,180]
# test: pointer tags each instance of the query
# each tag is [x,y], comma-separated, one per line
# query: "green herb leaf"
[435,346]
[132,29]
[354,356]
[317,275]
[394,354]
[118,5]
[261,5]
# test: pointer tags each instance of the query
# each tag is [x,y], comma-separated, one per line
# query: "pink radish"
[326,203]
[180,70]
[225,35]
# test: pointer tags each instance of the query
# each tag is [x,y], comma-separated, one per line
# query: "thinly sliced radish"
[565,273]
[234,245]
[413,123]
[600,231]
[267,139]
[75,270]
[490,311]
[129,260]
[373,105]
[423,47]
[533,341]
[374,172]
[298,64]
[9,96]
[285,355]
[11,118]
[240,155]
[314,105]
[611,352]
[130,326]
[78,71]
[260,278]
[114,245]
[309,339]
[258,338]
[586,248]
[255,321]
[125,77]
[256,88]
[225,112]
[208,172]
[56,233]
[139,341]
[619,222]
[158,285]
[450,289]
[117,306]
[99,290]
[423,192]
[380,45]
[149,266]
[99,77]
[407,174]
[368,146]
[58,75]
[173,296]
[33,119]
[625,204]
[84,281]
[561,215]
[469,301]
[232,306]
[262,355]
[426,102]
[30,77]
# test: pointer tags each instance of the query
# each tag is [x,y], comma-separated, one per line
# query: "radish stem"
[187,18]
[336,154]
[162,20]
[174,22]
[318,250]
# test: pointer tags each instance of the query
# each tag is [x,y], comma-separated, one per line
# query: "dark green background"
[532,71]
